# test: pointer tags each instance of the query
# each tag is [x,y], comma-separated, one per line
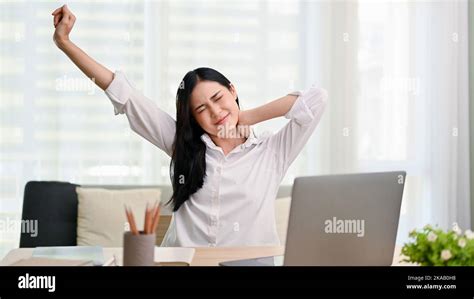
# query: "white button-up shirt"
[235,206]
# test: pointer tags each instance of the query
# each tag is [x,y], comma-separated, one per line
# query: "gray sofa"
[54,205]
[167,191]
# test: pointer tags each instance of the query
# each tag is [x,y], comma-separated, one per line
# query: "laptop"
[340,220]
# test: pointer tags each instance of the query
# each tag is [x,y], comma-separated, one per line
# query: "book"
[168,256]
[173,256]
[41,261]
[81,253]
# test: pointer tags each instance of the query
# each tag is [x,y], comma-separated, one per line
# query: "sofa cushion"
[101,216]
[52,206]
[282,214]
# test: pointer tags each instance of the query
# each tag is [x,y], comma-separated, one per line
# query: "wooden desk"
[212,256]
[204,256]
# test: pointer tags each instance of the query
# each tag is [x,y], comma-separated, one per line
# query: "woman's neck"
[227,144]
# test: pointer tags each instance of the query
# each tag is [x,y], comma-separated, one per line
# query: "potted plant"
[432,246]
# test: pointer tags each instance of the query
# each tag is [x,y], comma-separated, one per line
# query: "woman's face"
[214,107]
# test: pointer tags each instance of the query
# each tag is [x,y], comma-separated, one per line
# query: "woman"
[225,178]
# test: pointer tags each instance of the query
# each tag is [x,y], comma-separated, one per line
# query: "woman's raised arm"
[144,116]
[64,22]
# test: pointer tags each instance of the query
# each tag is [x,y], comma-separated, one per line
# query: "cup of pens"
[139,246]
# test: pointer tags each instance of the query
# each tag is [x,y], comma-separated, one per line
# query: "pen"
[109,261]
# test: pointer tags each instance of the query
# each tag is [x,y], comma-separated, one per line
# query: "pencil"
[150,220]
[147,221]
[152,216]
[156,218]
[131,220]
[134,226]
[128,217]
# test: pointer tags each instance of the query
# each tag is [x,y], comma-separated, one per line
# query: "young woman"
[225,178]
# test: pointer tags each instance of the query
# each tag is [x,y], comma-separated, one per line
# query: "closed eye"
[202,108]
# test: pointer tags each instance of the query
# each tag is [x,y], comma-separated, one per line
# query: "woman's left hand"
[244,123]
[244,118]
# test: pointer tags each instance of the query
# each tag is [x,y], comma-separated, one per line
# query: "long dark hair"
[188,161]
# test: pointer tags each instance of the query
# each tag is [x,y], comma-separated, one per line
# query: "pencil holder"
[138,250]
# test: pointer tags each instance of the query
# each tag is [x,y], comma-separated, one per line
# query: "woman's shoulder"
[264,135]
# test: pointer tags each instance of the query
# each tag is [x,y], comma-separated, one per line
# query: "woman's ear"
[232,89]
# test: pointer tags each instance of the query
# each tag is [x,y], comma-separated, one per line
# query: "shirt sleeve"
[144,116]
[304,116]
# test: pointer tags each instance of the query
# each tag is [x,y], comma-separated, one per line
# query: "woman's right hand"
[63,22]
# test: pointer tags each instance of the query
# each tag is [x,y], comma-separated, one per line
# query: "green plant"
[435,247]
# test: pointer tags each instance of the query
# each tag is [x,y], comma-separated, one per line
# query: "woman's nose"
[214,110]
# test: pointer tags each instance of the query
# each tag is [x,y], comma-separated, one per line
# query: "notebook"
[168,256]
[81,253]
[173,256]
[41,261]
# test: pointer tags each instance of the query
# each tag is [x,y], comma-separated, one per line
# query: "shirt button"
[242,146]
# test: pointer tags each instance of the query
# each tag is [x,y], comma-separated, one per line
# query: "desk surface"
[204,256]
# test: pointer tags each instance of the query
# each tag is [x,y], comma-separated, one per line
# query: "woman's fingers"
[72,20]
[63,22]
[66,10]
[57,10]
[67,17]
[57,18]
[58,14]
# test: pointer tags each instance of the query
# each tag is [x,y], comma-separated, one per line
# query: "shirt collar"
[252,139]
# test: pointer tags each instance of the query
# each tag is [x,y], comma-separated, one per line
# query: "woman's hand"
[276,108]
[244,118]
[244,123]
[63,22]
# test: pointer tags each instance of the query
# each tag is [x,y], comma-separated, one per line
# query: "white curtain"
[397,76]
[396,73]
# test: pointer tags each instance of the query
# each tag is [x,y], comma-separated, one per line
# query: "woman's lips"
[223,120]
